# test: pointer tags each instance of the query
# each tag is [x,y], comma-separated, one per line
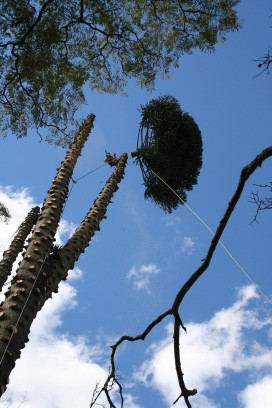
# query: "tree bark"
[17,244]
[24,298]
[57,269]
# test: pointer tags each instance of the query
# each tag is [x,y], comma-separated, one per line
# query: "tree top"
[50,49]
[169,144]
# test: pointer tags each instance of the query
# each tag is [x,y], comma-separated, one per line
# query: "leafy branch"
[31,28]
[50,50]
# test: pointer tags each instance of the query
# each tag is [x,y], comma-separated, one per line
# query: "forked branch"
[246,172]
[261,203]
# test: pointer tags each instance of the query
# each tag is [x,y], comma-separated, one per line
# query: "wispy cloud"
[188,246]
[141,276]
[213,350]
[171,221]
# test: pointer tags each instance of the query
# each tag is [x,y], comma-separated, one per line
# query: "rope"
[107,176]
[75,181]
[89,173]
[5,243]
[223,246]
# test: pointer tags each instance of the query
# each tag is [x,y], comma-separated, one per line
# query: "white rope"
[223,246]
[7,242]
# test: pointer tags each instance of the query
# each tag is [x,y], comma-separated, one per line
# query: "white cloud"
[65,230]
[19,203]
[258,394]
[188,246]
[55,370]
[141,276]
[210,351]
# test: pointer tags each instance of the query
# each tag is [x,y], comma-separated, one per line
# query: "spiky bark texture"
[56,267]
[24,298]
[79,241]
[17,244]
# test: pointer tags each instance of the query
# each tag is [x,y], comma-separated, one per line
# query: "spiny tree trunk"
[23,299]
[41,272]
[17,244]
[57,268]
[54,269]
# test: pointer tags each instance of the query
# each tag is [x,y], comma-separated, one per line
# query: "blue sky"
[141,257]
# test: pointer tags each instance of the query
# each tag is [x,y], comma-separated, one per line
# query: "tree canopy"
[170,144]
[51,48]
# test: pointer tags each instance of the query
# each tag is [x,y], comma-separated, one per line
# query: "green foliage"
[4,213]
[51,48]
[170,144]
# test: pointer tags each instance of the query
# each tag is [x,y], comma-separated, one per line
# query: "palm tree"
[45,265]
[169,143]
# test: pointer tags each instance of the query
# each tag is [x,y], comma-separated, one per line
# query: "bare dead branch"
[185,393]
[264,63]
[246,172]
[112,372]
[262,204]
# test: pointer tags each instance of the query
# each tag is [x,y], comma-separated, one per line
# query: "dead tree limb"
[185,393]
[261,203]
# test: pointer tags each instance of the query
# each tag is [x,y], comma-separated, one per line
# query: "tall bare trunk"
[17,244]
[24,297]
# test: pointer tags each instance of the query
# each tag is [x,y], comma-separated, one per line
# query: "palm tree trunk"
[24,298]
[17,244]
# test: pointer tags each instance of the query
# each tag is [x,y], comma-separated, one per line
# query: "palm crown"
[170,144]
